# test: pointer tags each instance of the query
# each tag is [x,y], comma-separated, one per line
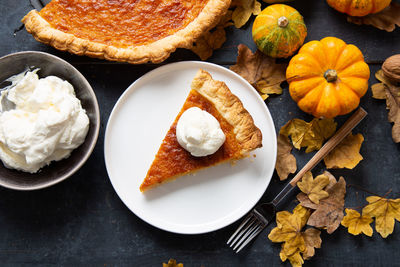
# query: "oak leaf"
[313,188]
[172,263]
[309,134]
[260,71]
[386,20]
[385,212]
[329,212]
[392,96]
[346,154]
[288,230]
[213,39]
[285,161]
[243,10]
[357,223]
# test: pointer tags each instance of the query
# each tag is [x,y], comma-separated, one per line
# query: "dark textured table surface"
[81,221]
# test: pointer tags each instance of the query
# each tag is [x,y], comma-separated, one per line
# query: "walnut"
[391,68]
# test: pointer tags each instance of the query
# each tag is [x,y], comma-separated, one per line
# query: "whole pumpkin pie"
[134,31]
[241,135]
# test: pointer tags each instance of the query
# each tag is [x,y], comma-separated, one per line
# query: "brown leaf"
[393,104]
[312,240]
[386,20]
[392,93]
[309,134]
[213,39]
[285,161]
[329,213]
[244,8]
[346,154]
[260,71]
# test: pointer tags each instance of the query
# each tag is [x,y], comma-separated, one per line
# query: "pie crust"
[155,51]
[242,136]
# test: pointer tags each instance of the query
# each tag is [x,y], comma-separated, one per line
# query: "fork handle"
[322,153]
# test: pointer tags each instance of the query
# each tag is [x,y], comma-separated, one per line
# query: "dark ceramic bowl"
[59,170]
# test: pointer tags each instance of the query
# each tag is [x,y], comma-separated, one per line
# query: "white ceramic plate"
[212,198]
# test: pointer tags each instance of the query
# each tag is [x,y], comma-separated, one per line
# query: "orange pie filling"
[173,160]
[121,23]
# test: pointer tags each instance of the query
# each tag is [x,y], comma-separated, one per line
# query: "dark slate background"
[82,222]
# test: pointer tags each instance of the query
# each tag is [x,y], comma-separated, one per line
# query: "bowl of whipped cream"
[49,120]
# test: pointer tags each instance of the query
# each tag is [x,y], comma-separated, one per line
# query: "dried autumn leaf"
[260,71]
[378,91]
[356,223]
[244,8]
[385,212]
[312,240]
[346,154]
[288,230]
[309,134]
[295,259]
[313,188]
[386,20]
[329,212]
[213,39]
[380,76]
[172,263]
[285,161]
[392,95]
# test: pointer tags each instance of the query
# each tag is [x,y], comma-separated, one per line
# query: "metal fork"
[264,213]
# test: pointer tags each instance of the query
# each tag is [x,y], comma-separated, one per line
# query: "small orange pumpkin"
[359,8]
[327,78]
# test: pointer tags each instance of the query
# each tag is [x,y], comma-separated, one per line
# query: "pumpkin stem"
[283,22]
[331,75]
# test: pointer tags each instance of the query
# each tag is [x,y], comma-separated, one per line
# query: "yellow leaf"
[285,161]
[288,230]
[378,91]
[309,134]
[244,9]
[260,71]
[312,240]
[356,223]
[346,154]
[172,263]
[385,212]
[313,187]
[295,259]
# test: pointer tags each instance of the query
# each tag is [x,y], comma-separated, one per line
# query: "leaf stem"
[369,192]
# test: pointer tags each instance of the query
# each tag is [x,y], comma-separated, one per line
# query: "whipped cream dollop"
[47,123]
[199,132]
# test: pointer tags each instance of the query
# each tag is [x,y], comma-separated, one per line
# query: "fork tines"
[249,229]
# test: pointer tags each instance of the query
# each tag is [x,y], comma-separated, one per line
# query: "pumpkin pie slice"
[242,136]
[135,31]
